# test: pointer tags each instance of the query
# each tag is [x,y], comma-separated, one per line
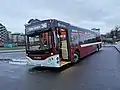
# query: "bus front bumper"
[52,61]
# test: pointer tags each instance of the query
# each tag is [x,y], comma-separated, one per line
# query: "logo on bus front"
[37,57]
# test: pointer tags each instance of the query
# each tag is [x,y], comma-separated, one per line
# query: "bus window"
[75,38]
[40,41]
[81,38]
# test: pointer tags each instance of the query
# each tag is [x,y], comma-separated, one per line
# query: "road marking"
[8,71]
[18,63]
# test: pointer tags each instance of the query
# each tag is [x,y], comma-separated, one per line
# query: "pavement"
[99,71]
[108,45]
[117,46]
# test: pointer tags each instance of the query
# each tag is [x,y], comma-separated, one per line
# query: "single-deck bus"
[54,43]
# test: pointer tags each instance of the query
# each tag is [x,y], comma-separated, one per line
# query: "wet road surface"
[14,55]
[99,71]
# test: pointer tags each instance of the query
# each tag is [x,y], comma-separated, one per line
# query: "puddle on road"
[48,69]
[39,69]
[34,69]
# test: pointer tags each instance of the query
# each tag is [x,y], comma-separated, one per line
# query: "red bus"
[54,43]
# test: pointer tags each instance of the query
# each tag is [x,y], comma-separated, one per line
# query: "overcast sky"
[103,14]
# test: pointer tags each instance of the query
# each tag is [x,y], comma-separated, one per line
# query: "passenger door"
[63,41]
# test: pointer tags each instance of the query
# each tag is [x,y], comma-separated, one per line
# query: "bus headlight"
[51,53]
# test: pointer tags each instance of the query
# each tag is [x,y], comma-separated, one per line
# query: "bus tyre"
[98,48]
[76,57]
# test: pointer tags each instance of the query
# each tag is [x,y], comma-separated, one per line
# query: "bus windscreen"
[41,41]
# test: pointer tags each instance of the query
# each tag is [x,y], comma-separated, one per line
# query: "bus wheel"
[98,48]
[76,57]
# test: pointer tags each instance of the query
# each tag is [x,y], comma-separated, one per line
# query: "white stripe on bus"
[85,45]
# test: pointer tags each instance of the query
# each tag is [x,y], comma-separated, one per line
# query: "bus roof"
[57,23]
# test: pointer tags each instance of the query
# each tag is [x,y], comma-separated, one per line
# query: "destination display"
[36,26]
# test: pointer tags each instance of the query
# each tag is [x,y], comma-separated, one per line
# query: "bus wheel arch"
[76,56]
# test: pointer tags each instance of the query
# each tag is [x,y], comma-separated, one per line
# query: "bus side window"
[81,38]
[74,38]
